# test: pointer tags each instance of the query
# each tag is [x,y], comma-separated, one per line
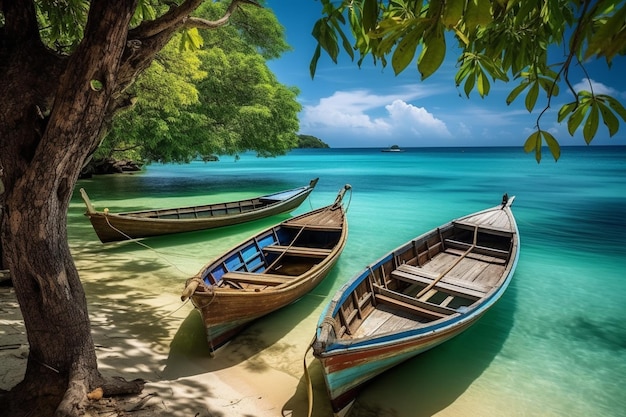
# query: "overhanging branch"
[196,22]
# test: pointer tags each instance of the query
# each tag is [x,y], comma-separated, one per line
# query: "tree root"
[77,399]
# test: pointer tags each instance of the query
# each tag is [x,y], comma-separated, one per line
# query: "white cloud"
[347,113]
[598,88]
[416,120]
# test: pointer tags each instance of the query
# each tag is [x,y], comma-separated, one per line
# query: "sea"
[554,345]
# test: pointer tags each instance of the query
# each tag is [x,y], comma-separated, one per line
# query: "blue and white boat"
[414,298]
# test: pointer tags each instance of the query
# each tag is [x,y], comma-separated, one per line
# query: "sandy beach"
[183,380]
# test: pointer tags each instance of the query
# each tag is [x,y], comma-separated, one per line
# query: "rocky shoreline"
[109,166]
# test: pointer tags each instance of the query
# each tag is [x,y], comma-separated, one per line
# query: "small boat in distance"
[419,295]
[111,227]
[393,148]
[268,271]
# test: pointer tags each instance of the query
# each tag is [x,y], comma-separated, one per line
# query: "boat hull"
[270,270]
[414,298]
[345,373]
[230,312]
[112,227]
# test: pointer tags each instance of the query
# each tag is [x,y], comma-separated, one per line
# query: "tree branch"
[195,22]
[178,16]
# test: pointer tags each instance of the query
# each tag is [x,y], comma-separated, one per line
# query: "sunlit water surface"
[554,345]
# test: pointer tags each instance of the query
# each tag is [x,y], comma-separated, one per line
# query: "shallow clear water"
[554,345]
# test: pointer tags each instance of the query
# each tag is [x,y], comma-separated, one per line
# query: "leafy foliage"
[499,41]
[210,92]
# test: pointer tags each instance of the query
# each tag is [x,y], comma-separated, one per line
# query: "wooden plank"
[404,305]
[320,227]
[488,258]
[452,280]
[299,251]
[261,279]
[498,253]
[458,288]
[494,230]
[373,323]
[429,294]
[423,307]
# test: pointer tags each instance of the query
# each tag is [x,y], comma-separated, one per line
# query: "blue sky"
[348,106]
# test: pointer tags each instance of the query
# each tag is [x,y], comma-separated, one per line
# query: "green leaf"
[516,92]
[433,53]
[96,85]
[576,119]
[463,72]
[565,110]
[469,84]
[452,12]
[549,86]
[387,43]
[147,11]
[608,118]
[606,41]
[531,97]
[405,51]
[616,106]
[591,124]
[344,39]
[483,84]
[553,144]
[316,57]
[370,15]
[533,142]
[384,27]
[328,41]
[477,13]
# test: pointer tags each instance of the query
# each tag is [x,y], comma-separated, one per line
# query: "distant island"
[308,141]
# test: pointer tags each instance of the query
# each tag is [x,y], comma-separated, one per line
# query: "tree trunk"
[54,112]
[51,121]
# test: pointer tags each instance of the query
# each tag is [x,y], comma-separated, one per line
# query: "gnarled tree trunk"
[55,111]
[52,118]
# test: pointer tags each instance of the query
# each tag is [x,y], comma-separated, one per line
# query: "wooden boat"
[414,298]
[268,271]
[111,227]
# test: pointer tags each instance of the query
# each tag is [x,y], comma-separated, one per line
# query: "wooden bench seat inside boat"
[499,255]
[491,229]
[252,278]
[299,251]
[447,284]
[318,227]
[405,302]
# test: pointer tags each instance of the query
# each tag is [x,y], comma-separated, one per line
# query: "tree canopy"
[213,95]
[498,40]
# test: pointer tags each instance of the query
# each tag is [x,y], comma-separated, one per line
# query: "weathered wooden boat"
[268,271]
[414,298]
[111,227]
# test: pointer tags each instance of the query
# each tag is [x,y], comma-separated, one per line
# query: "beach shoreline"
[176,384]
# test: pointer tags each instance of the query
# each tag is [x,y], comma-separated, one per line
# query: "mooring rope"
[149,248]
[309,384]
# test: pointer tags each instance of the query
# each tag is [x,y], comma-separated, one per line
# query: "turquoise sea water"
[554,345]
